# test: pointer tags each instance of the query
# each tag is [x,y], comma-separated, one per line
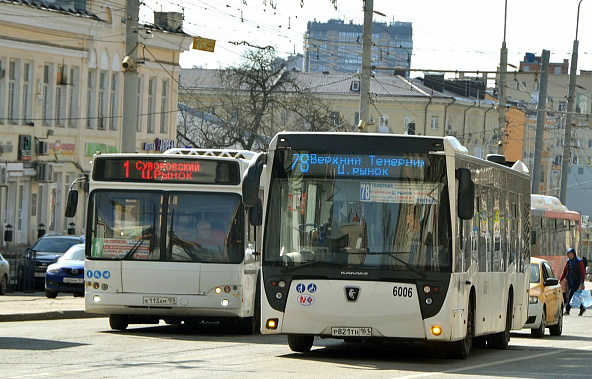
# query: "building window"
[13,92]
[164,107]
[2,94]
[140,100]
[90,96]
[73,96]
[561,106]
[114,101]
[27,92]
[435,122]
[334,118]
[151,104]
[61,93]
[102,103]
[47,94]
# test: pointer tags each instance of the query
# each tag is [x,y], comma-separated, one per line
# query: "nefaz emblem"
[352,293]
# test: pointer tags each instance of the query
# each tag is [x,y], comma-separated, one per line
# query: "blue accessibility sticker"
[97,274]
[300,287]
[106,274]
[312,288]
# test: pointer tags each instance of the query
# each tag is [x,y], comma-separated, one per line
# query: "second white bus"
[168,238]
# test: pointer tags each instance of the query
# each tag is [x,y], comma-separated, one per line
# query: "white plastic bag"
[576,299]
[586,299]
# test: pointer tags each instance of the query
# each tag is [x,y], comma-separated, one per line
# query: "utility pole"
[366,69]
[540,125]
[501,120]
[568,120]
[130,79]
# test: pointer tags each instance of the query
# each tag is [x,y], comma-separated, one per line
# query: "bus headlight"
[436,330]
[218,290]
[224,302]
[97,299]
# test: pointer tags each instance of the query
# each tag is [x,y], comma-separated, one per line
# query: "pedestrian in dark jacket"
[575,273]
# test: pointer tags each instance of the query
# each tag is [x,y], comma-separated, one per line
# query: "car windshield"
[76,254]
[54,245]
[535,273]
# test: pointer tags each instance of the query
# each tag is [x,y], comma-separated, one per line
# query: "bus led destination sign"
[353,165]
[178,170]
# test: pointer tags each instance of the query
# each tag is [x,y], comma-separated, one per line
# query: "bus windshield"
[166,226]
[346,212]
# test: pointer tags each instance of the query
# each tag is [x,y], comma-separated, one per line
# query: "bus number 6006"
[402,291]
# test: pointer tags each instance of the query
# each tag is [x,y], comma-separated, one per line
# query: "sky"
[463,35]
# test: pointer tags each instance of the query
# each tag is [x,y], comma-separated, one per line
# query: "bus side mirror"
[256,214]
[72,203]
[466,194]
[251,180]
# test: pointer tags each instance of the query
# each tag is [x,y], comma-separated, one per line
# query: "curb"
[53,315]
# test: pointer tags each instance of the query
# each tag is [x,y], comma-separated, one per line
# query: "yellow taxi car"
[545,306]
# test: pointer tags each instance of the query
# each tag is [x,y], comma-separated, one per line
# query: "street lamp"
[570,105]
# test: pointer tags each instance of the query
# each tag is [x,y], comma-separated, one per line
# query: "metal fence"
[22,271]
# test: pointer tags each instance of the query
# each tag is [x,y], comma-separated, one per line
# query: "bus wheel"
[540,331]
[461,349]
[500,340]
[118,322]
[300,343]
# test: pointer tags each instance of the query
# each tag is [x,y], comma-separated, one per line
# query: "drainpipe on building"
[445,116]
[465,121]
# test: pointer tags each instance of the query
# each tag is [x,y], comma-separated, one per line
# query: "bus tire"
[500,340]
[557,329]
[461,349]
[300,343]
[252,325]
[118,322]
[540,331]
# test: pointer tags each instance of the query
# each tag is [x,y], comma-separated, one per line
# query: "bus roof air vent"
[520,166]
[497,158]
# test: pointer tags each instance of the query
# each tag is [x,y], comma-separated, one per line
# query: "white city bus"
[377,236]
[168,238]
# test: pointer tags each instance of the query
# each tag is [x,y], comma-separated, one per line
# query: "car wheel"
[3,285]
[557,329]
[540,331]
[118,322]
[300,343]
[51,294]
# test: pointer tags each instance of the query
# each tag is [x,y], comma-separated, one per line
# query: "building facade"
[336,46]
[61,101]
[523,91]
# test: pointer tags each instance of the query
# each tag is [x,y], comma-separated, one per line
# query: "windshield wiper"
[185,246]
[146,234]
[392,255]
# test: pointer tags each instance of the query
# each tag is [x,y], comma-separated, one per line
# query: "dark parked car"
[67,274]
[47,250]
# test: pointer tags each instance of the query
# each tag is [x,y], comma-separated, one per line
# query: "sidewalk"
[19,306]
